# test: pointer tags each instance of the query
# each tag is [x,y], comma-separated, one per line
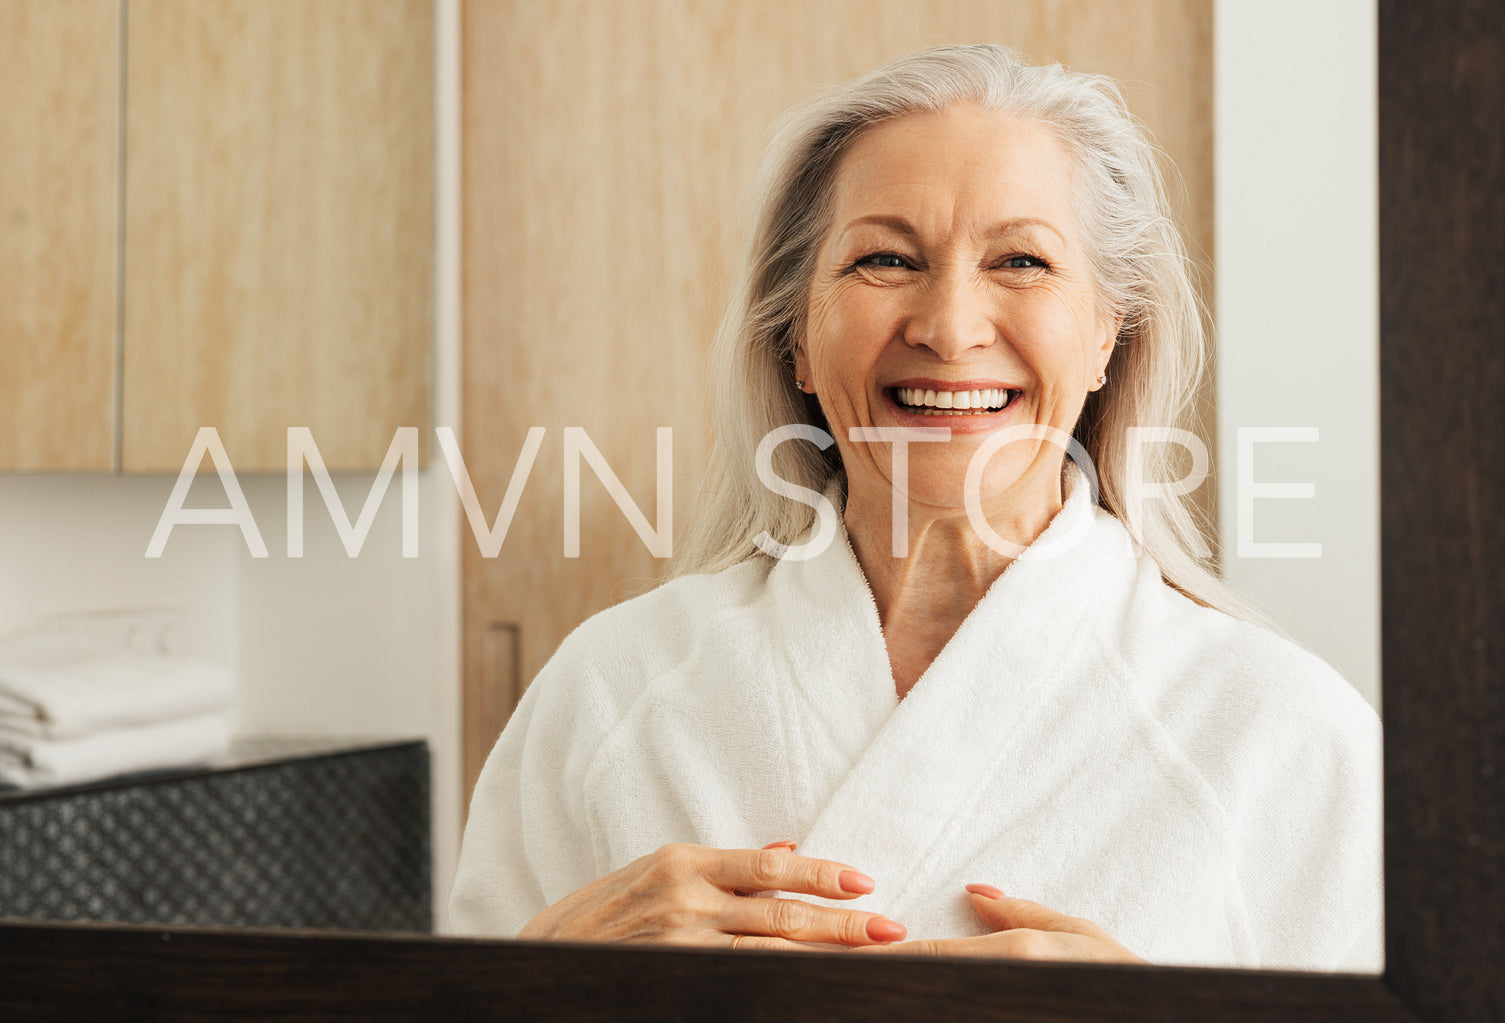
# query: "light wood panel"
[279,225]
[59,146]
[606,149]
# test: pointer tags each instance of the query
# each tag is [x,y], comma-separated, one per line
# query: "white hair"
[1138,264]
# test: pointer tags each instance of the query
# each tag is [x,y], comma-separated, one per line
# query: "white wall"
[1297,308]
[323,646]
[74,543]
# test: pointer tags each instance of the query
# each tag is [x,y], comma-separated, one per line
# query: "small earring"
[799,385]
[1103,379]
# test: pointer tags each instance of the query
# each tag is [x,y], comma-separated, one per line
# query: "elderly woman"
[936,687]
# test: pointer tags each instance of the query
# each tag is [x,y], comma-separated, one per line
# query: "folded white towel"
[62,687]
[32,762]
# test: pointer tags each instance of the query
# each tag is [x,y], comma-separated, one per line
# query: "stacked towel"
[74,710]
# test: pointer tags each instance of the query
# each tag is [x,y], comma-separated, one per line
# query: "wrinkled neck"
[927,581]
[939,552]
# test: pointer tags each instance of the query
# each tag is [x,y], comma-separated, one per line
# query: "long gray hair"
[1138,262]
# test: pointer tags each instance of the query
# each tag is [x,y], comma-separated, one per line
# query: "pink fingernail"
[785,844]
[987,891]
[882,929]
[856,883]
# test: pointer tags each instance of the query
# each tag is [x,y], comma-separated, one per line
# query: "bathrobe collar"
[917,764]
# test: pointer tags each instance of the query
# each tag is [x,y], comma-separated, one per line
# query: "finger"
[927,947]
[771,944]
[761,870]
[804,921]
[825,946]
[1017,944]
[783,845]
[1002,912]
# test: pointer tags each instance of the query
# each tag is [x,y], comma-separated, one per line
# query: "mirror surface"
[1280,180]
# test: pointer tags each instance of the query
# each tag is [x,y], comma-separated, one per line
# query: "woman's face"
[952,290]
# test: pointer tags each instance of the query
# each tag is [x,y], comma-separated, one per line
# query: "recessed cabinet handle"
[503,672]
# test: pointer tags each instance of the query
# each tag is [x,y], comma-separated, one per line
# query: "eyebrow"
[904,227]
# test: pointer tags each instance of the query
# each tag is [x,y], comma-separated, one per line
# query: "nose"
[951,317]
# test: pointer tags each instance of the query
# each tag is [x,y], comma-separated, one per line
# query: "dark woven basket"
[310,839]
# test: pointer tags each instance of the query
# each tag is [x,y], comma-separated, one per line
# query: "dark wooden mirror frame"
[1442,371]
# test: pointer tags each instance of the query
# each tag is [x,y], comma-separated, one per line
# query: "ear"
[1113,322]
[802,367]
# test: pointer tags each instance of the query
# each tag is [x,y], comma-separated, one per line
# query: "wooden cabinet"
[234,229]
[59,186]
[278,227]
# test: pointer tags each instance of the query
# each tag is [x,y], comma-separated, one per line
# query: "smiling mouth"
[923,402]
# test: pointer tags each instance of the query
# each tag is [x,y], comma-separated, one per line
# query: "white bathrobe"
[1203,790]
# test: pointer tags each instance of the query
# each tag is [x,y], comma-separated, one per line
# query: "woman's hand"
[694,895]
[1023,930]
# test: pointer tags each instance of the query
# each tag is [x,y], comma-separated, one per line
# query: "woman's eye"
[886,260]
[1023,262]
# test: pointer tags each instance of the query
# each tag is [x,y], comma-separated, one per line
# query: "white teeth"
[951,402]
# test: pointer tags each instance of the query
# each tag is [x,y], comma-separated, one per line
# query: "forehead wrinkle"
[899,225]
[888,189]
[914,210]
[955,212]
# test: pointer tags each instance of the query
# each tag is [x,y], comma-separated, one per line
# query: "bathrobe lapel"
[906,804]
[829,666]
